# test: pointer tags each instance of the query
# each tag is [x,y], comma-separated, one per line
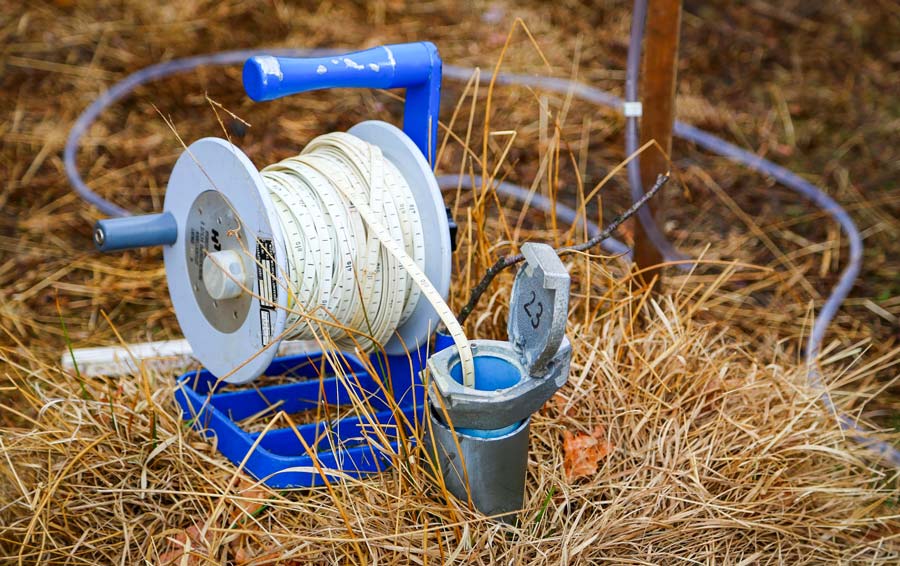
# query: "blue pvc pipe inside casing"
[491,373]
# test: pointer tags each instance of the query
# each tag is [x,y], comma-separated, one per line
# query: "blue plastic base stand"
[366,442]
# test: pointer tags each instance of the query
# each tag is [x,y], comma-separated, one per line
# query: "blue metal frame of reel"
[351,446]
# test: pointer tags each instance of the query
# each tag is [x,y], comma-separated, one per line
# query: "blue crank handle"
[413,66]
[387,66]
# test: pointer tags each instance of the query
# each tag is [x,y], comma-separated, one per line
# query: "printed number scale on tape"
[366,277]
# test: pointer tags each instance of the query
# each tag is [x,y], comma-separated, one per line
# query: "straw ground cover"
[701,440]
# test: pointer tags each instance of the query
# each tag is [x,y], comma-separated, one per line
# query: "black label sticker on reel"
[267,284]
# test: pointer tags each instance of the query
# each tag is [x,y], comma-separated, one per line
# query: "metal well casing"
[489,469]
[484,458]
[478,433]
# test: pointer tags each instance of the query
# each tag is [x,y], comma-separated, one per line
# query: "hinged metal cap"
[539,307]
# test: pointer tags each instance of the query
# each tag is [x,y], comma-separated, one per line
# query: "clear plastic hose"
[125,87]
[684,131]
[564,213]
[632,72]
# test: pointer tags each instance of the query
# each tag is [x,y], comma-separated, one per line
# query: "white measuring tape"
[355,245]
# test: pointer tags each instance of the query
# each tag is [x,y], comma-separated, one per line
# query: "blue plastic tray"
[364,443]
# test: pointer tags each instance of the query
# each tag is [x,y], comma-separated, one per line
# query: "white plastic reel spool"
[220,203]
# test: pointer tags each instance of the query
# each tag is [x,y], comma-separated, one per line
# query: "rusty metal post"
[659,72]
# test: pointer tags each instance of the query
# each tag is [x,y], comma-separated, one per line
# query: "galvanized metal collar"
[536,358]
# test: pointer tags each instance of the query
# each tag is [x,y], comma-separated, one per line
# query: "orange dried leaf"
[188,548]
[250,497]
[583,452]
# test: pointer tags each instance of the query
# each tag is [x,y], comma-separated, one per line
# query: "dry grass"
[716,456]
[719,452]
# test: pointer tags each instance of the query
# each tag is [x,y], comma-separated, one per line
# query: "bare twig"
[510,260]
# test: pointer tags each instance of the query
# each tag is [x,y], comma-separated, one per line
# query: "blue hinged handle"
[413,66]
